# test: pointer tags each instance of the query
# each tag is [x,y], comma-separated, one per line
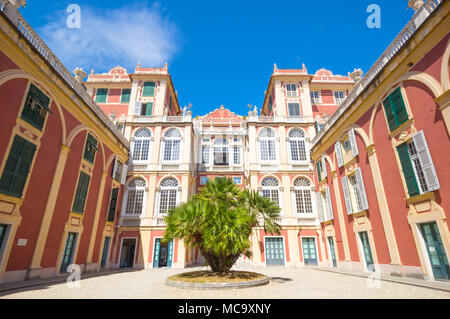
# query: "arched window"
[221,151]
[141,144]
[135,197]
[297,144]
[168,195]
[270,189]
[172,141]
[302,196]
[267,144]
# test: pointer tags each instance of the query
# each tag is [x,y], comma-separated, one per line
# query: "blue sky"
[219,52]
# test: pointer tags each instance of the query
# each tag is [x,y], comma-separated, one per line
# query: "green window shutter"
[125,98]
[149,109]
[316,126]
[398,106]
[36,107]
[408,171]
[149,89]
[101,95]
[113,204]
[17,167]
[389,114]
[81,193]
[90,148]
[318,171]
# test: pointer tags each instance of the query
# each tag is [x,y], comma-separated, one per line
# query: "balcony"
[309,220]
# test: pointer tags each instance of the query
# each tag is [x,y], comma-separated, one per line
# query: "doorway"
[367,251]
[163,254]
[128,252]
[274,251]
[68,253]
[435,249]
[309,250]
[105,252]
[332,251]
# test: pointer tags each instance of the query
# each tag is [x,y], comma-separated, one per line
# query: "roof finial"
[275,68]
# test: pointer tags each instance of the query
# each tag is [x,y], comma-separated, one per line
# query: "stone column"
[341,216]
[89,265]
[384,208]
[35,269]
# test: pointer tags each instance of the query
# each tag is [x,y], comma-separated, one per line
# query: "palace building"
[357,164]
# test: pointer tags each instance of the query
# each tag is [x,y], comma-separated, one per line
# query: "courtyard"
[285,283]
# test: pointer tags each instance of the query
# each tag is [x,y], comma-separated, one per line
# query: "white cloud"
[113,37]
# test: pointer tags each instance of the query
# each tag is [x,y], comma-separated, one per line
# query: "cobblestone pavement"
[286,283]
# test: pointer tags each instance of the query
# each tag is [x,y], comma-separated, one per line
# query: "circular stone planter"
[218,285]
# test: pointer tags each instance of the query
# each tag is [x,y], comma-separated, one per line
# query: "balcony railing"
[281,119]
[407,32]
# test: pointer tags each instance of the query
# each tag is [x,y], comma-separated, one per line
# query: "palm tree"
[219,221]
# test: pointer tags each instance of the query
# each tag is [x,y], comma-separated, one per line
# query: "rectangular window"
[347,145]
[36,107]
[339,97]
[149,89]
[17,167]
[168,200]
[205,155]
[125,98]
[135,200]
[221,156]
[237,180]
[294,109]
[291,89]
[315,97]
[172,150]
[395,110]
[303,201]
[147,109]
[90,148]
[113,204]
[237,155]
[81,193]
[267,150]
[101,95]
[203,180]
[236,139]
[271,194]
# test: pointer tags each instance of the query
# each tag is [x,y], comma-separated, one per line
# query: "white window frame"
[144,199]
[142,140]
[271,190]
[298,140]
[173,139]
[339,100]
[302,188]
[268,140]
[291,93]
[167,188]
[313,99]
